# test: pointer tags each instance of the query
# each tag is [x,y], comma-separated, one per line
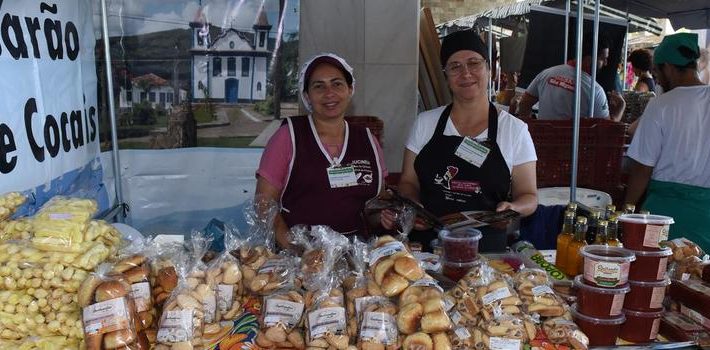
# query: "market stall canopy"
[691,14]
[636,22]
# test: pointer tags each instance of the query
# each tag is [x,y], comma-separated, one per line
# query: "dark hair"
[588,43]
[641,59]
[329,61]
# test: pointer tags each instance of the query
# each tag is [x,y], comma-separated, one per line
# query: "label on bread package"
[283,312]
[542,290]
[378,327]
[176,326]
[428,282]
[274,264]
[498,294]
[462,333]
[140,292]
[209,306]
[225,294]
[329,320]
[385,250]
[106,316]
[504,344]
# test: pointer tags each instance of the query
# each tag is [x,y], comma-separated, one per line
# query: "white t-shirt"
[672,136]
[513,137]
[554,89]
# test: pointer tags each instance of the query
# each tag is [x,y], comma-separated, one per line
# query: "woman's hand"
[388,218]
[503,206]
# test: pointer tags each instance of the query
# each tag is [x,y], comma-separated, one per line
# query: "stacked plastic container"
[460,251]
[601,293]
[648,278]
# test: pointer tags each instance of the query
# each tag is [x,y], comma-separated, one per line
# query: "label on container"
[140,292]
[498,294]
[387,249]
[225,295]
[657,296]
[606,274]
[428,282]
[329,320]
[655,234]
[654,328]
[504,344]
[379,327]
[616,304]
[695,316]
[284,312]
[662,266]
[462,333]
[106,316]
[542,290]
[176,326]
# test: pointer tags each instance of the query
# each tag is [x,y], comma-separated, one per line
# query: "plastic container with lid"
[650,265]
[601,331]
[460,246]
[456,270]
[599,302]
[646,296]
[640,327]
[645,231]
[606,266]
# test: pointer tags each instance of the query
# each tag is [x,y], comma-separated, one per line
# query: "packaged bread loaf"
[561,330]
[277,272]
[225,273]
[537,295]
[377,325]
[258,246]
[108,312]
[164,278]
[683,248]
[393,266]
[203,285]
[325,323]
[282,321]
[422,317]
[504,332]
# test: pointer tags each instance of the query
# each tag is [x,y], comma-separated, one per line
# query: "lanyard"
[334,162]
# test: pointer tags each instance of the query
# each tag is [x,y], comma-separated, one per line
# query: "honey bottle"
[563,240]
[574,256]
[612,233]
[594,217]
[602,233]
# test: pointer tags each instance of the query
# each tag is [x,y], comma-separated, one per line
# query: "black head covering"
[462,40]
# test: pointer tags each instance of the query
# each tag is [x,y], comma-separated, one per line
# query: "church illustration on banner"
[230,65]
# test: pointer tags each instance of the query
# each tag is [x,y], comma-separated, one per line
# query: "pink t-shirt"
[276,158]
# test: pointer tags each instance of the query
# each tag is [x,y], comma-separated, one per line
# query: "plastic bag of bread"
[203,288]
[322,247]
[325,318]
[377,325]
[355,282]
[393,266]
[224,272]
[505,332]
[689,267]
[108,313]
[9,202]
[181,323]
[282,321]
[278,272]
[561,330]
[133,264]
[61,223]
[165,258]
[258,246]
[422,311]
[683,248]
[535,290]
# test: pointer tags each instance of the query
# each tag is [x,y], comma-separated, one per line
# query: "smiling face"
[328,92]
[467,74]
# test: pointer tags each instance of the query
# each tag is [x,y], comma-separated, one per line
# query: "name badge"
[472,151]
[342,176]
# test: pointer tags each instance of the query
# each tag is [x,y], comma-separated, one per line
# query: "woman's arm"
[267,191]
[524,190]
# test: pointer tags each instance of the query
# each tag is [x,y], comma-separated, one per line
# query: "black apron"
[450,184]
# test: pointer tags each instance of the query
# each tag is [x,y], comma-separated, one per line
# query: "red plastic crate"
[601,149]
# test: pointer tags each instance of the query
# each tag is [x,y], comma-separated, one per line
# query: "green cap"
[667,51]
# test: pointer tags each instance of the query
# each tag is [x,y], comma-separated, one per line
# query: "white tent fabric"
[691,14]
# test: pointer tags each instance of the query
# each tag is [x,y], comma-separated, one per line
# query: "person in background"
[554,87]
[320,169]
[467,155]
[642,62]
[704,65]
[670,153]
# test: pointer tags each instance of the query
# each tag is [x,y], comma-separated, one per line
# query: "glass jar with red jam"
[605,266]
[601,331]
[646,296]
[640,327]
[644,231]
[599,302]
[455,270]
[460,246]
[650,265]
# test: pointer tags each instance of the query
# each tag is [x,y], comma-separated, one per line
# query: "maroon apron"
[308,197]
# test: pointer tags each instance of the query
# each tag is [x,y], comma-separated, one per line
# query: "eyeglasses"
[457,68]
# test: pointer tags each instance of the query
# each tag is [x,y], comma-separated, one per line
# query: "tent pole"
[567,9]
[595,48]
[112,113]
[490,56]
[626,51]
[577,98]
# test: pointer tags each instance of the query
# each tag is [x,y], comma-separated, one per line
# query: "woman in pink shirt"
[319,168]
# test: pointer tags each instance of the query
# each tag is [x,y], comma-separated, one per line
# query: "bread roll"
[137,274]
[418,341]
[408,267]
[409,317]
[441,341]
[111,289]
[85,295]
[435,322]
[394,284]
[167,278]
[118,339]
[129,263]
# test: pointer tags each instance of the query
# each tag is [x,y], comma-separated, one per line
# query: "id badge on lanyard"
[472,151]
[341,176]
